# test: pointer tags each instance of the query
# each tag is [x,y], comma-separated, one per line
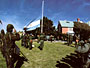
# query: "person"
[82,48]
[82,51]
[69,40]
[88,57]
[76,40]
[3,45]
[26,37]
[22,40]
[51,38]
[88,42]
[12,50]
[30,42]
[38,38]
[41,41]
[3,48]
[0,42]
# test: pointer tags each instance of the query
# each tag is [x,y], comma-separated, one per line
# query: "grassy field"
[47,58]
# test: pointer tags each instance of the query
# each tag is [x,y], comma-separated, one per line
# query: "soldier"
[82,48]
[0,42]
[76,40]
[30,42]
[38,38]
[69,40]
[3,48]
[22,40]
[11,48]
[82,51]
[88,57]
[51,38]
[26,38]
[41,41]
[88,42]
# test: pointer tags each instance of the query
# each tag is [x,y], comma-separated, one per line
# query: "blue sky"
[21,12]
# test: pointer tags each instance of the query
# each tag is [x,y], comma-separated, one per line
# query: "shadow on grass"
[68,44]
[69,61]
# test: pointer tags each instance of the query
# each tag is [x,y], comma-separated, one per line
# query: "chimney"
[78,19]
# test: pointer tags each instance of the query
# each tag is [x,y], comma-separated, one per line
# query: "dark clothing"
[3,45]
[70,39]
[12,56]
[25,40]
[13,59]
[83,52]
[41,42]
[0,42]
[10,40]
[30,42]
[22,40]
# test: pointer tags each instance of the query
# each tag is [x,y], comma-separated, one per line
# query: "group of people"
[83,51]
[27,40]
[9,49]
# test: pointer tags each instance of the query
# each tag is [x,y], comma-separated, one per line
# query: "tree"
[48,27]
[82,29]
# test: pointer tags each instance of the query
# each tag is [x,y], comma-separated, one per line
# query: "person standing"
[82,51]
[42,36]
[3,48]
[26,40]
[30,42]
[38,38]
[22,40]
[0,42]
[51,38]
[13,52]
[88,57]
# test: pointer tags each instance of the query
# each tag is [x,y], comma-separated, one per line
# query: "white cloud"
[11,20]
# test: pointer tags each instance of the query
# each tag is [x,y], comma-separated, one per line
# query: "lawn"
[47,58]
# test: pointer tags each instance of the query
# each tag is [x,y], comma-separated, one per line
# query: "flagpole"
[0,23]
[42,16]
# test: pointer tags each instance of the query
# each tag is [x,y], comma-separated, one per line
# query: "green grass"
[2,62]
[46,58]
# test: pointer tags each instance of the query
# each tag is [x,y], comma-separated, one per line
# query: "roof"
[66,23]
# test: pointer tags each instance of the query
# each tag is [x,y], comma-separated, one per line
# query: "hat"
[10,27]
[81,41]
[89,39]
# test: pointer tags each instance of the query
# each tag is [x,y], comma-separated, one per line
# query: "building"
[88,23]
[65,26]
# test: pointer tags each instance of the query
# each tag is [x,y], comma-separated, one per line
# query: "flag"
[34,25]
[0,22]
